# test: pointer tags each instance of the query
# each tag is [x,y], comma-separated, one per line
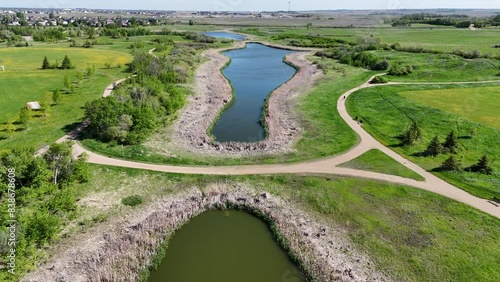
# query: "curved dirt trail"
[326,166]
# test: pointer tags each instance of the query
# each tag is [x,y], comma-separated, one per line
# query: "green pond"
[225,246]
[254,72]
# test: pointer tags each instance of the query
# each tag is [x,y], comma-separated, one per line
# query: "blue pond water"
[254,73]
[227,35]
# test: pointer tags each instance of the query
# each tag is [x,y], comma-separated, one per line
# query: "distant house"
[35,106]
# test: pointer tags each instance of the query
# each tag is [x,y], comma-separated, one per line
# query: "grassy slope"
[476,104]
[419,236]
[375,160]
[443,67]
[386,114]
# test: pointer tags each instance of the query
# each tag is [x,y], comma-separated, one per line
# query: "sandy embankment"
[213,93]
[118,250]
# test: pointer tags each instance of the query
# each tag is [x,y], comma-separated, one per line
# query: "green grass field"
[23,81]
[435,38]
[386,114]
[476,104]
[375,160]
[407,232]
[442,67]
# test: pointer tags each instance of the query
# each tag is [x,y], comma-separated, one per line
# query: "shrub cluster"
[44,197]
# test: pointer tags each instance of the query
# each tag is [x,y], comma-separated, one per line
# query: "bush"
[378,80]
[132,201]
[382,65]
[41,227]
[400,70]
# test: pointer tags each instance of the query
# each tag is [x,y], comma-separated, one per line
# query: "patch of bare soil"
[213,93]
[120,249]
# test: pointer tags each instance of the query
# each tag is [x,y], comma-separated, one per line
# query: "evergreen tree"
[56,96]
[435,148]
[451,164]
[412,135]
[482,166]
[45,64]
[24,116]
[451,143]
[66,63]
[67,82]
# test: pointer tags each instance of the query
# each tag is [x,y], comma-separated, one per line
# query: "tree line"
[460,21]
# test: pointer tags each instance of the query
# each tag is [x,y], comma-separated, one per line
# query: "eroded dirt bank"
[213,94]
[118,250]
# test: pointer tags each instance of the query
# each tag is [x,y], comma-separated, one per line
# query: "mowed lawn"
[479,104]
[24,81]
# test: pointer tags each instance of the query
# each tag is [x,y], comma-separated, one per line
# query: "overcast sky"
[253,5]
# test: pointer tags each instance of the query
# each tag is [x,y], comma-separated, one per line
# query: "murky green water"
[225,246]
[254,72]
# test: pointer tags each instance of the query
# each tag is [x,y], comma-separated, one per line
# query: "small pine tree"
[67,83]
[9,128]
[24,116]
[90,71]
[66,63]
[56,96]
[451,164]
[412,135]
[451,143]
[435,148]
[45,64]
[79,77]
[482,166]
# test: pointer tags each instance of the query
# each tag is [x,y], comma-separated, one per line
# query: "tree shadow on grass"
[70,127]
[465,137]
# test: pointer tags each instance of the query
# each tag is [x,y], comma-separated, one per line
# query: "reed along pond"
[254,73]
[225,246]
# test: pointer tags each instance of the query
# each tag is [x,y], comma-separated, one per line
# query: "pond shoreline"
[123,248]
[213,94]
